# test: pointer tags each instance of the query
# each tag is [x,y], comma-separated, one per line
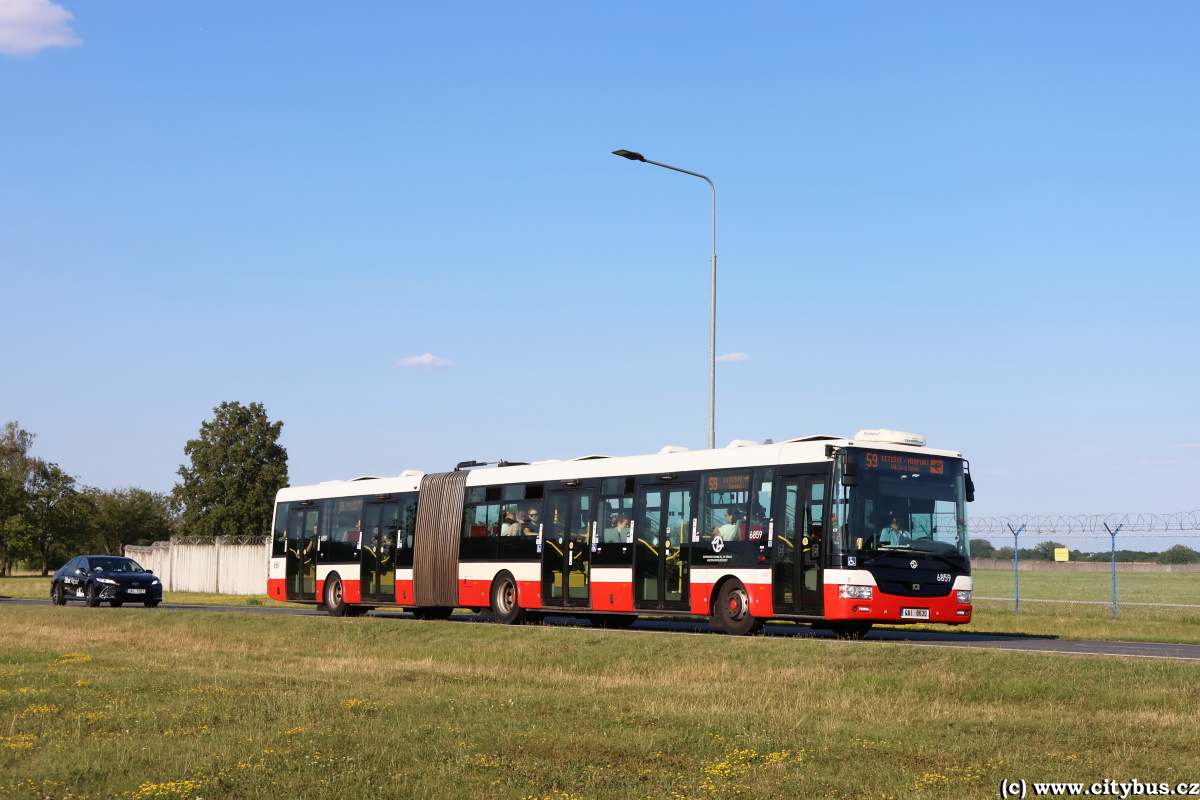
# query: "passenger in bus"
[509,525]
[728,531]
[530,526]
[619,532]
[894,533]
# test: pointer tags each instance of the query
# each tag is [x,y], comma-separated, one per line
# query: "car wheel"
[152,603]
[116,603]
[504,600]
[57,595]
[91,596]
[733,610]
[335,597]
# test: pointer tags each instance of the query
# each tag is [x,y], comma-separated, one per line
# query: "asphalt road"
[949,638]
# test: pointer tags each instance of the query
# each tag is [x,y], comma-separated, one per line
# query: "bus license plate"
[914,613]
[137,591]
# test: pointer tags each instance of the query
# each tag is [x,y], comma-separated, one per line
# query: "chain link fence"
[1143,566]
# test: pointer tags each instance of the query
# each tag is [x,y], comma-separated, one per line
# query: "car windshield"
[114,565]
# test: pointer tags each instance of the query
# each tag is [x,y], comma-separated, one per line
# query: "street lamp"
[712,322]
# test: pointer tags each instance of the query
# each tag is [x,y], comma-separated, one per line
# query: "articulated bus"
[839,533]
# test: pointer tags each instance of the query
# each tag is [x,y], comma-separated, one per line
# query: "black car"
[105,579]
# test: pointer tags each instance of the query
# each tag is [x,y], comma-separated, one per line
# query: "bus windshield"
[904,503]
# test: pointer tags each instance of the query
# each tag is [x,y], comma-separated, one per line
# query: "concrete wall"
[219,565]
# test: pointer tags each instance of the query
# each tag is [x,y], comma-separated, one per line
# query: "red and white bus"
[840,533]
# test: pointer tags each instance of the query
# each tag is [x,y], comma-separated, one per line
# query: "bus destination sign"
[900,462]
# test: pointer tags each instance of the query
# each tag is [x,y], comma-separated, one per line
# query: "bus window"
[279,544]
[725,509]
[480,531]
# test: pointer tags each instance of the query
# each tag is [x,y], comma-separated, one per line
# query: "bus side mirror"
[850,474]
[970,489]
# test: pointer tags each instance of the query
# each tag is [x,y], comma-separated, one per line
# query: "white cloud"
[734,357]
[1186,444]
[27,26]
[428,361]
[1168,462]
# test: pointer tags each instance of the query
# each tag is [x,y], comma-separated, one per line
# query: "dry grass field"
[133,703]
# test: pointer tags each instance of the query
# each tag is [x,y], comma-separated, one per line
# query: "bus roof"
[739,453]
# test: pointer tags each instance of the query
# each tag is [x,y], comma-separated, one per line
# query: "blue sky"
[973,221]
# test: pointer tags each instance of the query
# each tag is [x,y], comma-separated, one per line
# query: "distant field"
[142,704]
[1137,592]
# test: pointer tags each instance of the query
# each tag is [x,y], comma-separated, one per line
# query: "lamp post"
[712,308]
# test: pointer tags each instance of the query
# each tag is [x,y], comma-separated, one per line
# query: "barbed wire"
[1086,523]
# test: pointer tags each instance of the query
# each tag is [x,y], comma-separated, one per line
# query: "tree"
[16,475]
[237,466]
[1044,551]
[58,517]
[128,516]
[982,548]
[1179,554]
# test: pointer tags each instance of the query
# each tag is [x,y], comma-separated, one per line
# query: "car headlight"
[964,595]
[849,592]
[155,582]
[106,581]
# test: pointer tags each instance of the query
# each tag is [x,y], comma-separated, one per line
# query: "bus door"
[662,531]
[799,542]
[381,530]
[566,547]
[303,527]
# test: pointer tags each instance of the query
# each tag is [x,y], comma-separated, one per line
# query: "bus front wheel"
[733,610]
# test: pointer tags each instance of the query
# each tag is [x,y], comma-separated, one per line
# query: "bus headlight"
[964,595]
[849,592]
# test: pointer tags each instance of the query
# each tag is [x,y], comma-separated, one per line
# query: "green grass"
[143,704]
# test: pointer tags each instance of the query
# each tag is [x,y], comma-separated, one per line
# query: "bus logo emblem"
[913,563]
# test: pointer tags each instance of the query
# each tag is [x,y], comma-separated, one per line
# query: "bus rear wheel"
[504,600]
[335,597]
[733,610]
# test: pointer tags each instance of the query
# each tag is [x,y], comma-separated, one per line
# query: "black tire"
[91,596]
[57,595]
[850,630]
[504,600]
[733,610]
[116,603]
[613,621]
[335,597]
[152,603]
[432,612]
